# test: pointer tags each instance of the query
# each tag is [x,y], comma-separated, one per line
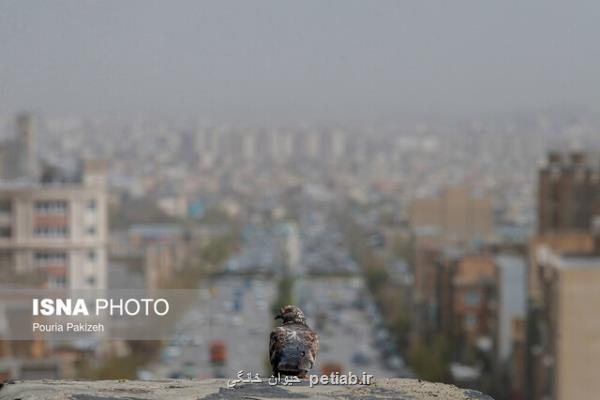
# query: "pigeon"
[293,346]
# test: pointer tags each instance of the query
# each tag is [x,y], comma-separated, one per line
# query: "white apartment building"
[55,230]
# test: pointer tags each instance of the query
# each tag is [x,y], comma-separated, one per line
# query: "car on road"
[190,368]
[171,352]
[360,358]
[145,375]
[177,375]
[395,362]
[332,367]
[218,352]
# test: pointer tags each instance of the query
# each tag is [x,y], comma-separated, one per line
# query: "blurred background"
[421,178]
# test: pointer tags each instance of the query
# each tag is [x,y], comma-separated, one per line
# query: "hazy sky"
[298,59]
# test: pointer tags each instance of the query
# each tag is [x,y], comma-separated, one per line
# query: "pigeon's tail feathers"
[306,362]
[294,359]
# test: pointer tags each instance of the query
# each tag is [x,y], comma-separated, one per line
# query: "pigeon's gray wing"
[276,345]
[314,348]
[311,344]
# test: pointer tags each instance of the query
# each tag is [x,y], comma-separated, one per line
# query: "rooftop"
[548,257]
[576,261]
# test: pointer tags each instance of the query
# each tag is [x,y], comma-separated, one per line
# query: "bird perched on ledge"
[293,346]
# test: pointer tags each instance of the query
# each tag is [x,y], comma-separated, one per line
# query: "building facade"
[569,193]
[568,359]
[457,216]
[53,226]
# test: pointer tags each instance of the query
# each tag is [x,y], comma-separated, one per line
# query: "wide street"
[234,308]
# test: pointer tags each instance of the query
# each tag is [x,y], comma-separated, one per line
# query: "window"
[51,231]
[91,280]
[5,206]
[91,204]
[471,321]
[44,258]
[6,259]
[5,231]
[91,230]
[51,206]
[92,255]
[472,298]
[57,281]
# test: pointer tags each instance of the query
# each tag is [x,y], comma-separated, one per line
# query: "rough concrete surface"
[213,389]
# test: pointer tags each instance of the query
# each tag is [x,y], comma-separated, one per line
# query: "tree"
[431,362]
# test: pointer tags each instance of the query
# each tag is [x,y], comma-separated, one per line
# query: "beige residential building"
[561,242]
[456,216]
[570,357]
[53,226]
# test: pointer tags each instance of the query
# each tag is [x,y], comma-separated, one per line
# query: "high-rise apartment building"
[456,216]
[53,226]
[17,156]
[568,357]
[468,291]
[511,313]
[569,193]
[568,209]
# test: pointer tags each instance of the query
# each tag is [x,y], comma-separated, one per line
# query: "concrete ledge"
[213,389]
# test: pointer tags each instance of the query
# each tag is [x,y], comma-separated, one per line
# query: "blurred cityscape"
[462,251]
